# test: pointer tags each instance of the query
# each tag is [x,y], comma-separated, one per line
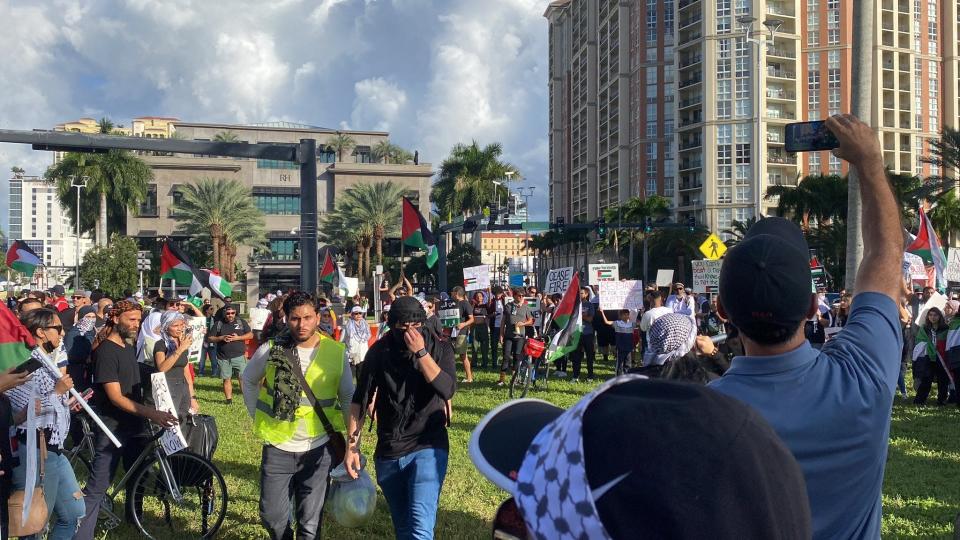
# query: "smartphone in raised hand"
[809,137]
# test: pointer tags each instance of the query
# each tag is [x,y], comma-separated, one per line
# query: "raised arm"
[880,269]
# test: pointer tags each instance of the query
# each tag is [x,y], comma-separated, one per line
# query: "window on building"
[813,162]
[176,198]
[148,208]
[283,250]
[743,108]
[326,154]
[833,59]
[743,153]
[724,218]
[725,134]
[277,204]
[742,67]
[723,109]
[651,185]
[723,16]
[276,164]
[813,38]
[744,214]
[744,133]
[743,88]
[834,164]
[833,36]
[361,154]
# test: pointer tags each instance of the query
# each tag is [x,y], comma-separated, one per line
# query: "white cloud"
[377,105]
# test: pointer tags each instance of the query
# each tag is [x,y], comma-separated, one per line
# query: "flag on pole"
[927,247]
[176,265]
[15,341]
[568,317]
[217,285]
[346,286]
[328,269]
[416,233]
[22,259]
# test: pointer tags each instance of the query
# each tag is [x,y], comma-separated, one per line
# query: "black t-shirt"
[113,363]
[466,311]
[66,318]
[233,349]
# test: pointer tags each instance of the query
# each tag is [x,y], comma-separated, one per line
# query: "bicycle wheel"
[159,513]
[520,381]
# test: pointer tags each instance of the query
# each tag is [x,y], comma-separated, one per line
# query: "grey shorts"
[231,367]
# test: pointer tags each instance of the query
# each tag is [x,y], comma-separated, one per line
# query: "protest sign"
[448,313]
[172,439]
[533,303]
[938,301]
[197,327]
[516,279]
[258,317]
[913,266]
[664,277]
[603,272]
[558,280]
[706,276]
[952,272]
[476,278]
[621,294]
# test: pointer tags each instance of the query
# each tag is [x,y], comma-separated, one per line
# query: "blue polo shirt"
[832,409]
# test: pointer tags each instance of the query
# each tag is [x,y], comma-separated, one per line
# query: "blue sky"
[432,72]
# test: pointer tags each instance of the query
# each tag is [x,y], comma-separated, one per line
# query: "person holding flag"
[930,358]
[568,317]
[927,246]
[516,317]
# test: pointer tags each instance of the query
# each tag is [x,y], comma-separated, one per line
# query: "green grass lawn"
[921,492]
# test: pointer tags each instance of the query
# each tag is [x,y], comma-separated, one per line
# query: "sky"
[431,72]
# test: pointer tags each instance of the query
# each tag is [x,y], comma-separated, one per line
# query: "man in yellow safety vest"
[295,370]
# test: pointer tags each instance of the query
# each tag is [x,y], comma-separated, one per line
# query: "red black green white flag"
[176,265]
[416,233]
[15,341]
[567,315]
[217,285]
[22,259]
[328,270]
[927,247]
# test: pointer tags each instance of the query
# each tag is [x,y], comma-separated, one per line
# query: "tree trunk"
[216,238]
[102,221]
[378,240]
[229,272]
[861,104]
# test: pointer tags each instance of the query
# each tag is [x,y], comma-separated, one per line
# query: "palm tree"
[738,229]
[945,216]
[341,143]
[223,212]
[381,152]
[821,197]
[348,235]
[465,182]
[117,179]
[105,125]
[376,205]
[18,172]
[226,136]
[946,152]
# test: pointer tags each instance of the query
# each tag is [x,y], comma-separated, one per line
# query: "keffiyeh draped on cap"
[671,336]
[166,321]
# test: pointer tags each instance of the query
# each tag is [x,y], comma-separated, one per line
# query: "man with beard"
[305,384]
[410,376]
[119,400]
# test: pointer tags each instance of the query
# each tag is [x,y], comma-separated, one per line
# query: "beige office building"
[275,185]
[707,69]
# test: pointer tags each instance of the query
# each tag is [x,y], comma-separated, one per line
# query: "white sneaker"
[575,380]
[560,374]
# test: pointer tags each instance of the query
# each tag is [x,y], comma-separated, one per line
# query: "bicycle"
[532,370]
[182,495]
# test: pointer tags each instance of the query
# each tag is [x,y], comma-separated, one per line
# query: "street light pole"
[82,184]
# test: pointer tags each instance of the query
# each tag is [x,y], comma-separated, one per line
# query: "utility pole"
[79,186]
[861,107]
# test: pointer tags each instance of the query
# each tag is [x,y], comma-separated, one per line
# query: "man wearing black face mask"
[413,375]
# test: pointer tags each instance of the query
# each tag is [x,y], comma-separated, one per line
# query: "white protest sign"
[664,277]
[258,317]
[172,439]
[621,294]
[603,272]
[476,278]
[952,272]
[938,301]
[706,276]
[533,304]
[913,266]
[558,280]
[197,326]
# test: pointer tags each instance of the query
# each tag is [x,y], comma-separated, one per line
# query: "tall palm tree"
[117,180]
[348,235]
[381,152]
[945,153]
[738,229]
[465,182]
[820,197]
[945,216]
[377,205]
[223,212]
[105,125]
[341,142]
[226,136]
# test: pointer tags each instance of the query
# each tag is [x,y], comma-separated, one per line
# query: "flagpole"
[401,255]
[83,403]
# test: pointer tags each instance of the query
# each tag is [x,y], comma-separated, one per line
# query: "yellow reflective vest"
[323,376]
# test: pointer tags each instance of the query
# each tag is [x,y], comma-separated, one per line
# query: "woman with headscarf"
[170,358]
[675,351]
[356,336]
[930,358]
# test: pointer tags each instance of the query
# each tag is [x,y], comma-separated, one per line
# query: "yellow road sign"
[713,248]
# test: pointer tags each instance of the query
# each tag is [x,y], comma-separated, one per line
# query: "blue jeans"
[211,353]
[411,484]
[60,491]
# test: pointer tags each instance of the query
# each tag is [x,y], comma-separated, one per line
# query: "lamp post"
[526,198]
[746,23]
[79,186]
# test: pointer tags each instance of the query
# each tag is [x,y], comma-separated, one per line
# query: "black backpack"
[202,435]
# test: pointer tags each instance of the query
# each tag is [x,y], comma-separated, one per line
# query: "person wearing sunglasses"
[60,485]
[569,476]
[681,301]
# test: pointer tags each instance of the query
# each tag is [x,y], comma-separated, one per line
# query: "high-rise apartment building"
[699,72]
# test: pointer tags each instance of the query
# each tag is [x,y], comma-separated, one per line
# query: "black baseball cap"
[765,279]
[646,458]
[58,290]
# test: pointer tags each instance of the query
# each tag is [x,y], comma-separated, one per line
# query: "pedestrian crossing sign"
[713,248]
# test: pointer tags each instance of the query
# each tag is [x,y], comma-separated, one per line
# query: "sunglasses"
[76,297]
[58,328]
[508,524]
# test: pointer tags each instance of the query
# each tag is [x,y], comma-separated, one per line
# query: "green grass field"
[921,493]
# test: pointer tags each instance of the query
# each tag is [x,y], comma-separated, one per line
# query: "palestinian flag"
[926,347]
[175,265]
[22,259]
[953,337]
[567,315]
[415,232]
[927,247]
[328,270]
[217,285]
[15,341]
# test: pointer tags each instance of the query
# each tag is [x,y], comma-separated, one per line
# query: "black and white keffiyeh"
[670,337]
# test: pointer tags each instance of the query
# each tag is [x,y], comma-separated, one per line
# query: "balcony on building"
[691,80]
[780,112]
[781,158]
[780,9]
[776,71]
[779,93]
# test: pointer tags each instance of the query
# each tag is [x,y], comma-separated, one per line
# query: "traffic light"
[560,223]
[647,224]
[601,228]
[691,223]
